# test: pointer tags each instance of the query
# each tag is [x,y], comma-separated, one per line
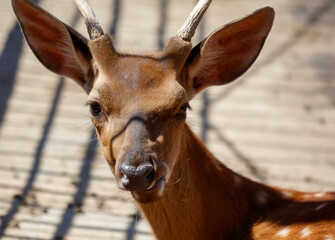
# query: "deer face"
[138,103]
[138,107]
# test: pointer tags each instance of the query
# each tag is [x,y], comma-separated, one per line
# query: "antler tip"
[93,27]
[186,32]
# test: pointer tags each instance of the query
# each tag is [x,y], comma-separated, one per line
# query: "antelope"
[138,105]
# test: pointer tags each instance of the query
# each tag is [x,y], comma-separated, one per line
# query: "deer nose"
[136,178]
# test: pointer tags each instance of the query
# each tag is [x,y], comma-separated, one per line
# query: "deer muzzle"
[137,167]
[136,178]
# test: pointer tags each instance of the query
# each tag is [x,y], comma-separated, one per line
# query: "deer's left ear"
[228,52]
[57,46]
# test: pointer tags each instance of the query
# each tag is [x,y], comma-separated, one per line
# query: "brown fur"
[206,200]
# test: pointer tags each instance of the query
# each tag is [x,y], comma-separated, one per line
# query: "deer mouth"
[159,184]
[152,193]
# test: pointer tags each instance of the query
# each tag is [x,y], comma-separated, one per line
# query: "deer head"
[138,103]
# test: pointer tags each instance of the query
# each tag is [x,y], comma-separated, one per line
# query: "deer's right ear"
[229,51]
[58,47]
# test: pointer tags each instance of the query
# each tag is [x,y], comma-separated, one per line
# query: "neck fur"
[204,199]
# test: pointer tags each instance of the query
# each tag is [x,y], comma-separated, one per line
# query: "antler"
[187,31]
[93,27]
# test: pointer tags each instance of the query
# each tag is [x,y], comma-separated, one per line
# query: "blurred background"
[276,124]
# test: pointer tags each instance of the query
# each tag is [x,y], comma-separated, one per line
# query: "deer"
[138,106]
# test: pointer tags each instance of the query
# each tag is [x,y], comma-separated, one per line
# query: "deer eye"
[182,111]
[95,108]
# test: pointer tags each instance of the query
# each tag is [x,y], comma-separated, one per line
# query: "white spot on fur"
[305,232]
[319,195]
[320,206]
[287,194]
[284,232]
[328,237]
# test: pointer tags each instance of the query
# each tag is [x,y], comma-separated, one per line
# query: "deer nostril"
[146,170]
[124,180]
[127,171]
[151,175]
[152,161]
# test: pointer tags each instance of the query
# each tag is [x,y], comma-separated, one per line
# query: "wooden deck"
[276,124]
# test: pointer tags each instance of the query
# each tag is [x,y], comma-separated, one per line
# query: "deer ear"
[229,51]
[58,47]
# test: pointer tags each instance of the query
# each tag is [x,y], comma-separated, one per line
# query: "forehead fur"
[138,83]
[147,82]
[139,88]
[139,70]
